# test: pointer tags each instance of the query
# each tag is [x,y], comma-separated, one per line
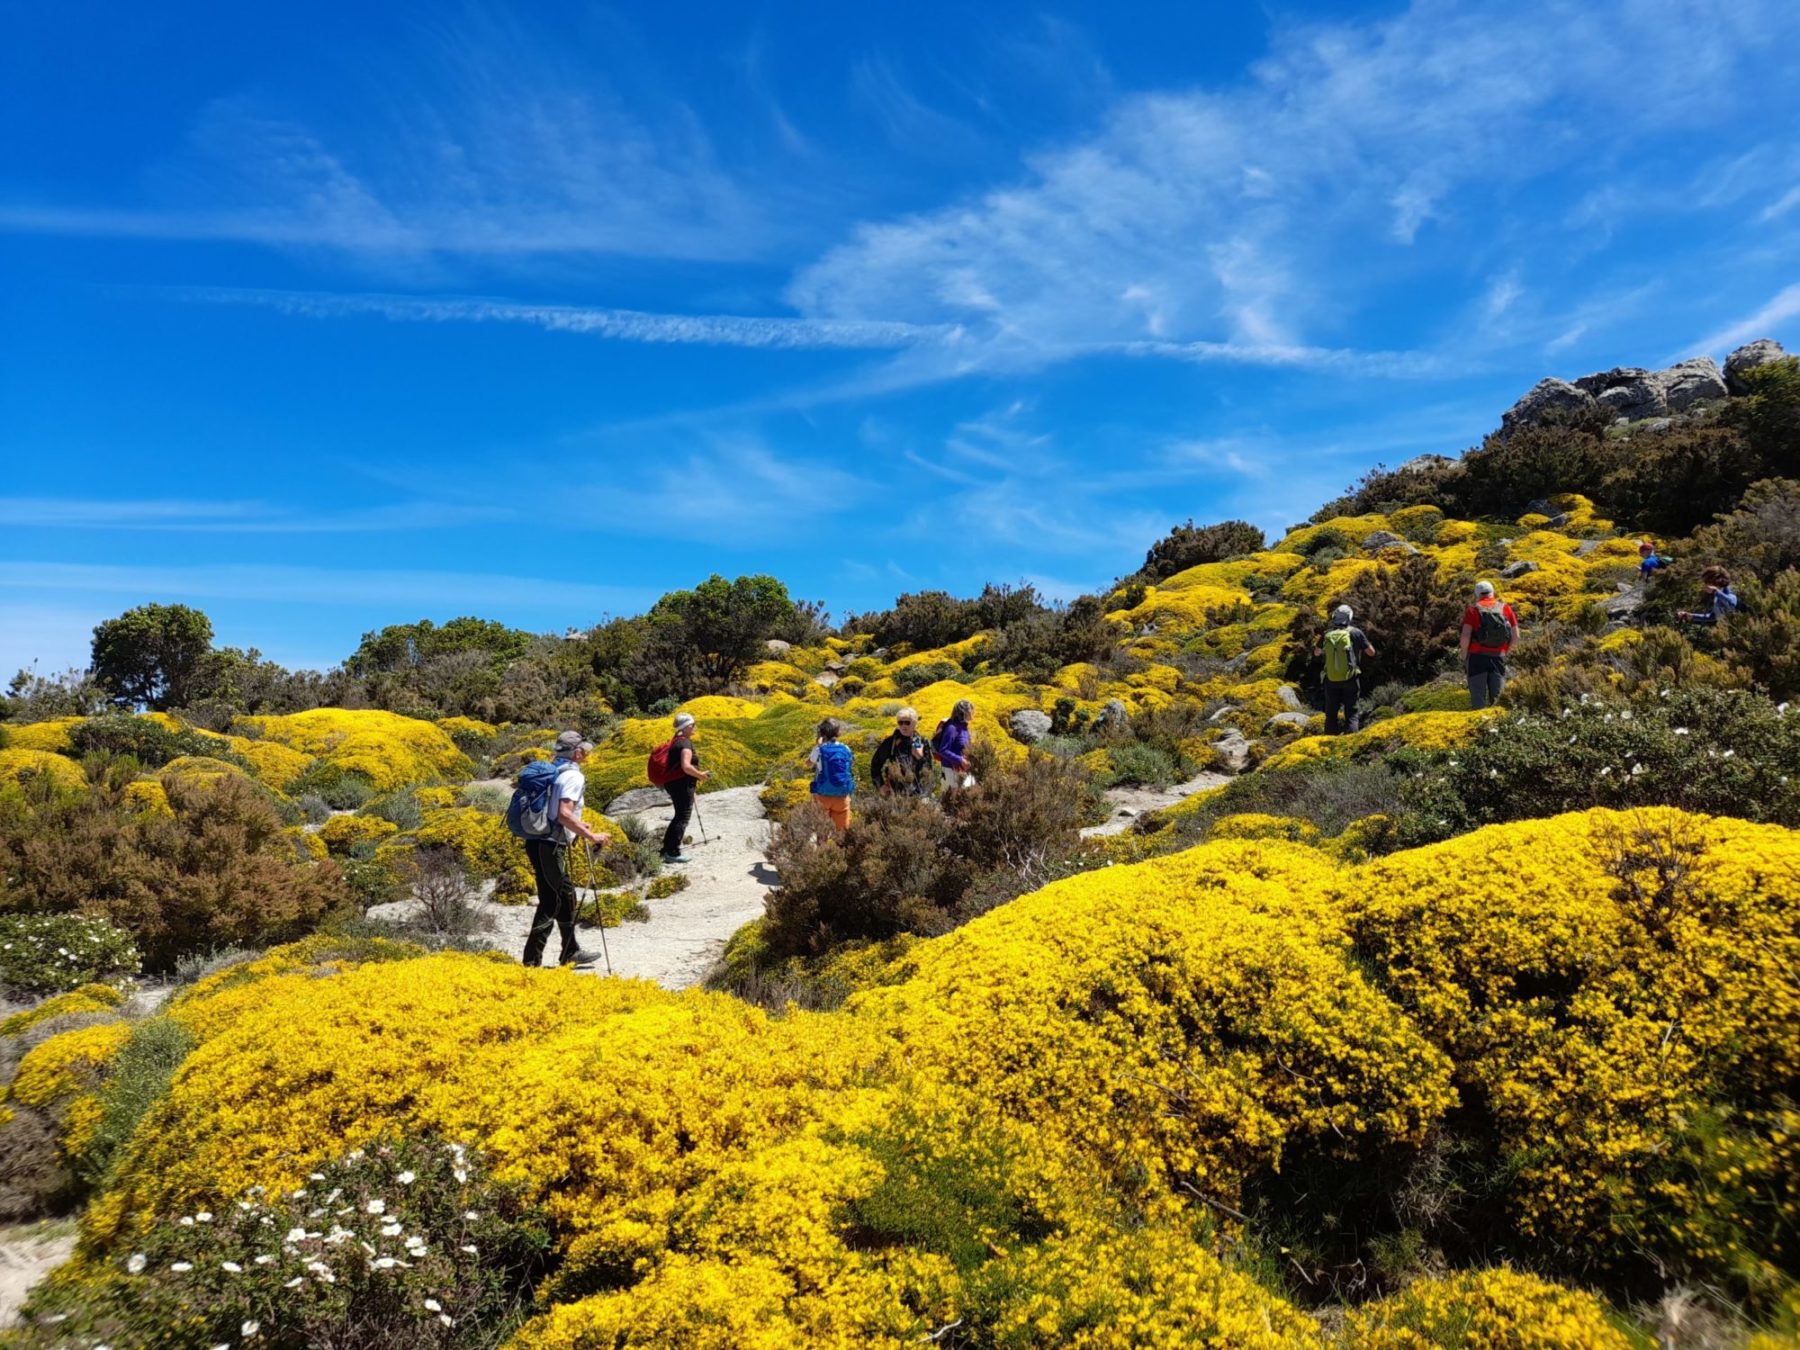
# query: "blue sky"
[340,315]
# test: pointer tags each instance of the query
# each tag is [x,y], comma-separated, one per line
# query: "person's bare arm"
[1467,632]
[572,821]
[687,767]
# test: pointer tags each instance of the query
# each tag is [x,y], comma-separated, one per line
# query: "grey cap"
[570,741]
[1342,614]
[1484,588]
[683,721]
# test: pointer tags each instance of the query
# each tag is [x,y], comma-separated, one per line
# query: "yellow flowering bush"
[1620,992]
[274,764]
[89,998]
[388,750]
[148,795]
[51,735]
[1498,1309]
[63,1077]
[342,833]
[1257,825]
[1416,731]
[16,766]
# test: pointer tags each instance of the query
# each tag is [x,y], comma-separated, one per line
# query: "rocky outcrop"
[1289,719]
[1233,750]
[1029,725]
[1114,716]
[1693,381]
[778,649]
[1546,397]
[1513,571]
[1380,539]
[1748,357]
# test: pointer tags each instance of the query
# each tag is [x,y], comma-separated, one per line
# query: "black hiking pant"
[1344,695]
[556,900]
[681,797]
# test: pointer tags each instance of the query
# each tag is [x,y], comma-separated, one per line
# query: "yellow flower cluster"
[89,998]
[1615,987]
[389,750]
[52,735]
[342,833]
[1497,1309]
[63,1076]
[1417,731]
[17,765]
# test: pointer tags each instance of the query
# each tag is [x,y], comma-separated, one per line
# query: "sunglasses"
[908,722]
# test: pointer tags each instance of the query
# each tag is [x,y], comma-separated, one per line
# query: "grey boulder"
[1233,751]
[1290,698]
[1692,381]
[1599,382]
[1113,716]
[1297,720]
[1544,398]
[636,801]
[1513,571]
[1029,725]
[1380,539]
[777,648]
[1635,399]
[1748,357]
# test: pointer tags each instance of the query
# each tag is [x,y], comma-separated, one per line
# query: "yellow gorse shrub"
[1496,1309]
[18,765]
[389,750]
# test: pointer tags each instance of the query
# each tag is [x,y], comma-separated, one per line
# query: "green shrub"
[433,1252]
[1144,765]
[216,870]
[139,1077]
[910,678]
[150,743]
[1331,793]
[53,953]
[1718,751]
[1188,546]
[340,789]
[399,808]
[489,797]
[314,810]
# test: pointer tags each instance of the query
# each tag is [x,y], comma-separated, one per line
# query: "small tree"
[717,628]
[149,656]
[1189,545]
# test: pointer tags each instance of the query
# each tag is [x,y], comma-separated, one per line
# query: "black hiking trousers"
[681,797]
[1341,695]
[556,900]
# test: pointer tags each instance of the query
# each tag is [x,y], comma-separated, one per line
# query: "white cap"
[1483,589]
[1342,614]
[683,721]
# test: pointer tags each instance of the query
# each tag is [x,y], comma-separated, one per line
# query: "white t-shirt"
[571,785]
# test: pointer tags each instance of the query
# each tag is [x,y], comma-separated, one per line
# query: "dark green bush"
[150,743]
[1145,765]
[911,678]
[1188,546]
[438,1254]
[338,788]
[139,1077]
[53,953]
[1718,751]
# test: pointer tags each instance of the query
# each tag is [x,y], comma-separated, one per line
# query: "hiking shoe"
[580,957]
[676,858]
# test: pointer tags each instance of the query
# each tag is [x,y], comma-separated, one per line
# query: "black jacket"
[894,766]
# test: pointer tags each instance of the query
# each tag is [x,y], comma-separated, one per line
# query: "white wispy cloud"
[242,517]
[728,330]
[277,584]
[1786,202]
[1783,307]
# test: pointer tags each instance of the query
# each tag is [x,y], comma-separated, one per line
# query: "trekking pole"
[697,820]
[599,914]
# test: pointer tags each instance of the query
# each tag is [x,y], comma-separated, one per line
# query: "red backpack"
[661,772]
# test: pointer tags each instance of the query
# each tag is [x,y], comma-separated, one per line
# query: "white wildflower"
[406,1178]
[181,1267]
[470,1250]
[470,1215]
[295,1283]
[390,1230]
[265,1260]
[432,1305]
[186,1220]
[231,1267]
[250,1329]
[1681,731]
[378,1207]
[447,1319]
[460,1175]
[385,1263]
[1606,770]
[316,1176]
[137,1263]
[295,1234]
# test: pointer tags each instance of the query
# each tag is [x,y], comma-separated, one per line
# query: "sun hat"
[683,721]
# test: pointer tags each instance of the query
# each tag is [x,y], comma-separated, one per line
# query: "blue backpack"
[834,778]
[531,814]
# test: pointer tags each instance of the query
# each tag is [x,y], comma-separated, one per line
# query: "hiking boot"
[579,957]
[676,858]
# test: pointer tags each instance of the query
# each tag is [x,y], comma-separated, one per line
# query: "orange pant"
[838,808]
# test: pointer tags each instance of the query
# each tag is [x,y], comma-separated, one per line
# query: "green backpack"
[1340,656]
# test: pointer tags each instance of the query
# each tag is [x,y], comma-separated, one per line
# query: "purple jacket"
[950,743]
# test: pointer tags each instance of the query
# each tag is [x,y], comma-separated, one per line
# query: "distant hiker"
[1721,600]
[1649,560]
[903,763]
[950,745]
[675,768]
[1489,629]
[1344,646]
[834,775]
[546,811]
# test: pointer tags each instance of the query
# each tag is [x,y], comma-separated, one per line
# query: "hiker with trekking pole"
[675,768]
[545,812]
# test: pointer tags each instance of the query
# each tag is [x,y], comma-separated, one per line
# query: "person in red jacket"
[1489,629]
